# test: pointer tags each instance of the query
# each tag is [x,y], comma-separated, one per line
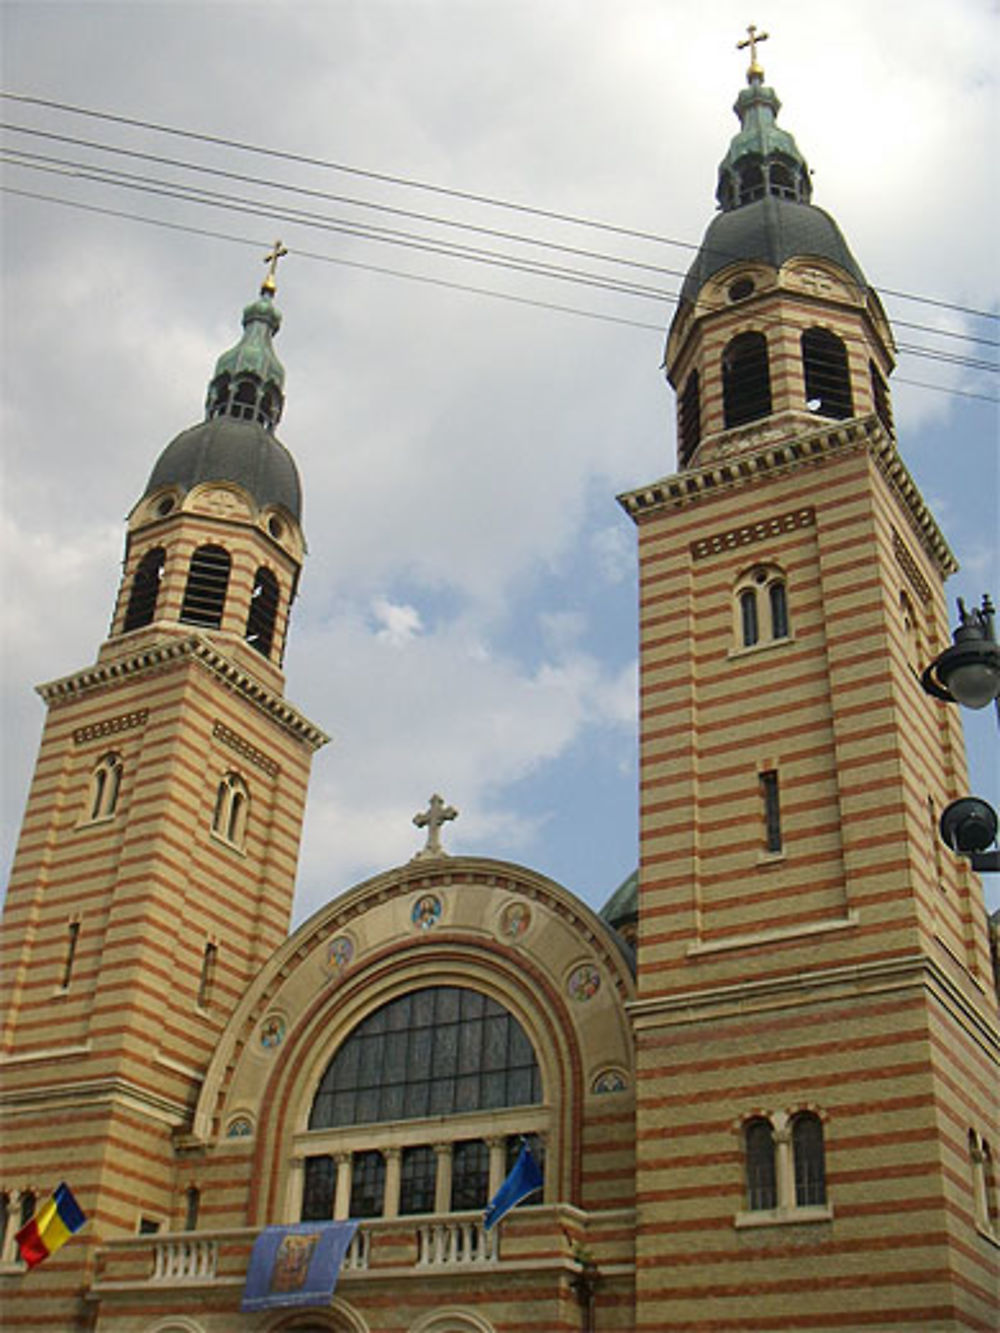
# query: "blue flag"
[296,1265]
[525,1177]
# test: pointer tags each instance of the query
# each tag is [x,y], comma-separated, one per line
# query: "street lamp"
[969,671]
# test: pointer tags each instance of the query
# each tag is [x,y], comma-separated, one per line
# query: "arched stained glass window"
[431,1052]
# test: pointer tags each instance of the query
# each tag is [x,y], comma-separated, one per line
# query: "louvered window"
[208,581]
[145,590]
[827,376]
[263,612]
[746,380]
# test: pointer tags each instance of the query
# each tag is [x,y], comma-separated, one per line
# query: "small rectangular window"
[772,810]
[73,934]
[207,975]
[148,1226]
[319,1187]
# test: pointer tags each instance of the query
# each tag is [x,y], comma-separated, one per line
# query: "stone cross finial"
[751,41]
[270,284]
[432,818]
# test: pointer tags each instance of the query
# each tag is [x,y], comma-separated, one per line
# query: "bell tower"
[816,1028]
[156,864]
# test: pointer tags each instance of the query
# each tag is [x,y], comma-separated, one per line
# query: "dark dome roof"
[773,230]
[226,449]
[623,905]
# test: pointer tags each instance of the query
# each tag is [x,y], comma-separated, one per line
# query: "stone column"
[296,1184]
[342,1193]
[498,1163]
[784,1164]
[442,1184]
[393,1164]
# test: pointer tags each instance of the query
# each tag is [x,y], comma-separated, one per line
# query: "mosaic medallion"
[272,1032]
[515,920]
[239,1128]
[426,911]
[339,952]
[610,1080]
[584,982]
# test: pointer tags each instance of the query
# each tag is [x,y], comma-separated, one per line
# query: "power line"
[354,201]
[412,183]
[423,279]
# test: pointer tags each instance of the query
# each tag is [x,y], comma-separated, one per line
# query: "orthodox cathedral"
[759,1087]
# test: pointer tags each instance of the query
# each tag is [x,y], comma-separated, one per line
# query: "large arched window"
[827,376]
[263,612]
[746,380]
[439,1051]
[145,590]
[207,583]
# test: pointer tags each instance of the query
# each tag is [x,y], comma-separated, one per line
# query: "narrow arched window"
[746,380]
[245,400]
[689,419]
[990,1184]
[781,181]
[827,377]
[880,397]
[263,612]
[748,617]
[758,1140]
[207,583]
[232,807]
[105,787]
[751,183]
[809,1159]
[192,1201]
[778,602]
[145,590]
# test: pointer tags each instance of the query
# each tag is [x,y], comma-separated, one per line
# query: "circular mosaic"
[426,911]
[515,920]
[584,982]
[610,1080]
[239,1128]
[339,952]
[272,1032]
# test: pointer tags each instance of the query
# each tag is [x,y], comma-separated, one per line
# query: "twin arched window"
[232,807]
[786,1169]
[746,381]
[104,788]
[762,607]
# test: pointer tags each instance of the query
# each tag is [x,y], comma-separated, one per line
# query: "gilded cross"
[270,285]
[431,819]
[751,41]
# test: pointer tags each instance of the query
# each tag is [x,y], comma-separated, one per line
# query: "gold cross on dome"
[270,285]
[432,819]
[751,41]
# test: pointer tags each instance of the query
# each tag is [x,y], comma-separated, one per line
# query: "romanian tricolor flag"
[50,1228]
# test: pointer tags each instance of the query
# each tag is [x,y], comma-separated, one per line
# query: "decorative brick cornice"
[249,752]
[753,532]
[173,653]
[111,726]
[739,469]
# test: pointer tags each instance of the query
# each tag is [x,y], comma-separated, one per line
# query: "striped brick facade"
[131,932]
[847,974]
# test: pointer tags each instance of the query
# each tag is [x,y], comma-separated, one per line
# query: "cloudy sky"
[462,423]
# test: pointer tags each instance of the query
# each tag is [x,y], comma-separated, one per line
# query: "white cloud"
[398,623]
